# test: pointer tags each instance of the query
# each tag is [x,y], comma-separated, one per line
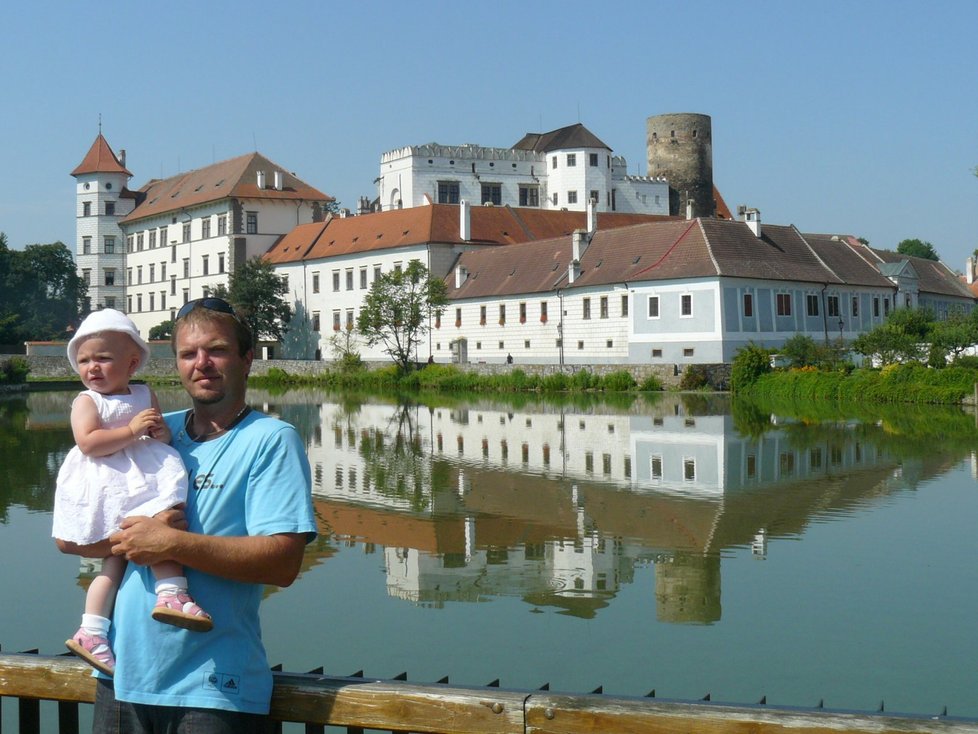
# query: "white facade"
[99,241]
[177,256]
[560,179]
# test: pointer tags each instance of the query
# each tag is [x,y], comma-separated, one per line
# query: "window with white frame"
[571,197]
[653,307]
[336,281]
[571,160]
[603,306]
[811,304]
[686,304]
[251,223]
[586,314]
[315,282]
[832,306]
[748,305]
[205,228]
[783,304]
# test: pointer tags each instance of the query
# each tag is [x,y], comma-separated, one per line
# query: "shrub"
[748,365]
[651,384]
[968,361]
[584,380]
[14,371]
[620,381]
[694,377]
[557,382]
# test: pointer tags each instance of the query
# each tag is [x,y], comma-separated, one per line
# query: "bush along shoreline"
[904,382]
[446,378]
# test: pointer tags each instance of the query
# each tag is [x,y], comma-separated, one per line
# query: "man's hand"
[175,517]
[144,540]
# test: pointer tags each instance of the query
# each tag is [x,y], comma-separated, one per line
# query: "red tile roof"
[435,223]
[100,159]
[233,178]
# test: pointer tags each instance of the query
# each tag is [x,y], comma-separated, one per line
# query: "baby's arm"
[160,431]
[93,440]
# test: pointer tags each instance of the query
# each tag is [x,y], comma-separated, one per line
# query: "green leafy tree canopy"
[918,248]
[258,295]
[397,308]
[40,292]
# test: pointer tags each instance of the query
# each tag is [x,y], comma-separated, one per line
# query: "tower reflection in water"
[559,507]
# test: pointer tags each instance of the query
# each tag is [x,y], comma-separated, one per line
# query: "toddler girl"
[121,465]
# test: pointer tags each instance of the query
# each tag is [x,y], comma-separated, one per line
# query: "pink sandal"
[179,609]
[94,650]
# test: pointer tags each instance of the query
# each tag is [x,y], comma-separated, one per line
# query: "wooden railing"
[395,705]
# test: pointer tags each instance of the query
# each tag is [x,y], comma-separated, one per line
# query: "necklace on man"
[188,425]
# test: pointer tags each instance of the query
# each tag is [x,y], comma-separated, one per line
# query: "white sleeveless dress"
[94,493]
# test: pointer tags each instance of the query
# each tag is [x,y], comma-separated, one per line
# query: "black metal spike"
[544,687]
[316,671]
[763,701]
[706,697]
[401,676]
[358,674]
[821,703]
[277,668]
[880,709]
[599,689]
[944,712]
[493,684]
[650,694]
[444,680]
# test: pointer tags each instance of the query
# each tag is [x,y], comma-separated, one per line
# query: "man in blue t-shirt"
[247,520]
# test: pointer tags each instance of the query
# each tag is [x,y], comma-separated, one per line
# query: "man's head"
[213,350]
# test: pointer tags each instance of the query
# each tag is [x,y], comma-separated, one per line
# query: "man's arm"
[174,517]
[257,559]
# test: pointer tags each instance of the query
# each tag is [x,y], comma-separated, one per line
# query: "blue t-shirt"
[253,480]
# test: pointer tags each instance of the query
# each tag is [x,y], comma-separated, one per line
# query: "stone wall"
[53,367]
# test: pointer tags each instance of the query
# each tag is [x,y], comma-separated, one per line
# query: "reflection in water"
[556,506]
[648,538]
[560,507]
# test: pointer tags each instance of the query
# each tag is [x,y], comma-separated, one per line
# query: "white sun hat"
[98,322]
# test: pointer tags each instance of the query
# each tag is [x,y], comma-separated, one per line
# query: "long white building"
[149,251]
[560,169]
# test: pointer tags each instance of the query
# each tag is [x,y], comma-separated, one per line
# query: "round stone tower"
[680,148]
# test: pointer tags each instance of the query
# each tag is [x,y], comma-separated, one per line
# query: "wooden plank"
[50,678]
[376,704]
[555,714]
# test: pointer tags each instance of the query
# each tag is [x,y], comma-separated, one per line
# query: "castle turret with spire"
[102,199]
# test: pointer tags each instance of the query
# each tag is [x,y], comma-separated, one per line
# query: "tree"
[40,292]
[396,310]
[902,338]
[918,248]
[258,296]
[163,330]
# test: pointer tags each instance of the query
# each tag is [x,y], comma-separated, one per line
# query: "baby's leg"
[174,605]
[91,641]
[101,594]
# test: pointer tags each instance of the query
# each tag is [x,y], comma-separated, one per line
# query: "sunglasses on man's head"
[211,304]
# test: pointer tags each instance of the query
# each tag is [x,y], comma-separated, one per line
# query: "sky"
[857,117]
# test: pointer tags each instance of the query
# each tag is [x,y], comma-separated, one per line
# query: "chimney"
[689,208]
[122,157]
[969,269]
[261,179]
[278,180]
[573,271]
[579,243]
[465,220]
[461,275]
[592,216]
[753,219]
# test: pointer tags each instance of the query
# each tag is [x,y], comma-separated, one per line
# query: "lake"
[680,544]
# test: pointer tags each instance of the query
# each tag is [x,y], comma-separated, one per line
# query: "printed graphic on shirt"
[204,481]
[228,683]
